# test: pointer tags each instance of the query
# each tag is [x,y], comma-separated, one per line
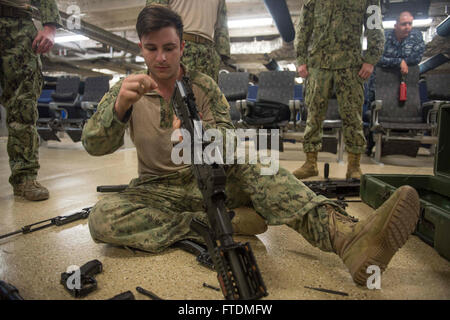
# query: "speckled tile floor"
[34,262]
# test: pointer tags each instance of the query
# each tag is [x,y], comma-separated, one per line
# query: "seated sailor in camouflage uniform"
[155,210]
[21,80]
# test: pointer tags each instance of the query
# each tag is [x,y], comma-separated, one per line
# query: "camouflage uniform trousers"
[155,212]
[203,58]
[21,80]
[350,96]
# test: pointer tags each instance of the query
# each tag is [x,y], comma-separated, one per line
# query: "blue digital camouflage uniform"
[21,80]
[206,57]
[155,210]
[328,41]
[411,50]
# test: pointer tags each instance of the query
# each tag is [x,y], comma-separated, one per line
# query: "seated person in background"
[403,47]
[156,209]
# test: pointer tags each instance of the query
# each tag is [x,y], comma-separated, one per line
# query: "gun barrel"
[112,188]
[10,234]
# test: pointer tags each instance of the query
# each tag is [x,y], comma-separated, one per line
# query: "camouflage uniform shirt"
[329,33]
[47,8]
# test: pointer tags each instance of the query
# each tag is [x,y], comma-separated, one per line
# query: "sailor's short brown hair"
[155,17]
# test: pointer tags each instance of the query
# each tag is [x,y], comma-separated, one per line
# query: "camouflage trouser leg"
[203,58]
[283,199]
[153,213]
[21,80]
[350,95]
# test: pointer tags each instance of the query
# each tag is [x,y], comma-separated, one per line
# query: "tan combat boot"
[309,168]
[247,222]
[31,190]
[375,240]
[353,168]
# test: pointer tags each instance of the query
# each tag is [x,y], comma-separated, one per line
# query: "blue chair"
[47,124]
[252,93]
[274,106]
[234,86]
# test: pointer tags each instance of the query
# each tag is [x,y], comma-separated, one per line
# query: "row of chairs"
[67,107]
[277,103]
[399,128]
[272,104]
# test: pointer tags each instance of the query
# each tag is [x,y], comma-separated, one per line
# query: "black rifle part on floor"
[57,221]
[9,292]
[128,295]
[79,283]
[147,293]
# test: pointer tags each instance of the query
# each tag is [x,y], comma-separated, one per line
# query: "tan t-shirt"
[151,134]
[199,16]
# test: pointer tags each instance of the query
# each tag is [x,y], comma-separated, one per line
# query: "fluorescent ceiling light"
[416,23]
[105,71]
[422,22]
[77,37]
[249,23]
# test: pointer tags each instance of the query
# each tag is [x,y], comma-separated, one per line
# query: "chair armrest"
[244,107]
[57,104]
[59,111]
[375,107]
[428,104]
[88,105]
[432,113]
[294,108]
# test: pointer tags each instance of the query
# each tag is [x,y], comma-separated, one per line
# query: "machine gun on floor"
[338,189]
[238,274]
[334,188]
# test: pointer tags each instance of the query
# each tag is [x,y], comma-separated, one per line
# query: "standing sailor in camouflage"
[205,33]
[21,80]
[329,55]
[156,209]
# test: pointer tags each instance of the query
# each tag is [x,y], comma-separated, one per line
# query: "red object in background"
[402,95]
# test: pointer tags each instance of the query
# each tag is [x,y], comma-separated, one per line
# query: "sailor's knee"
[99,222]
